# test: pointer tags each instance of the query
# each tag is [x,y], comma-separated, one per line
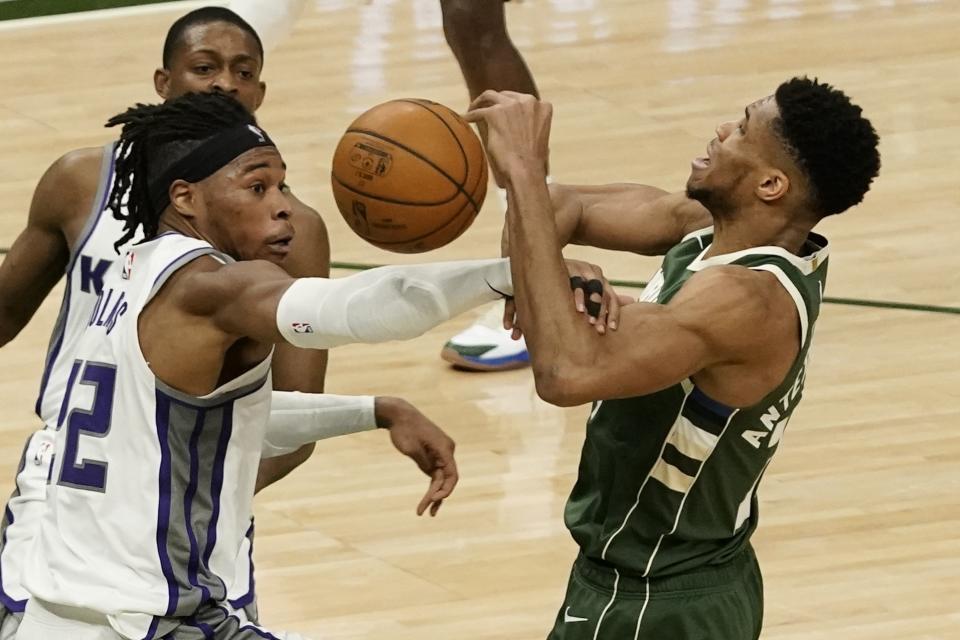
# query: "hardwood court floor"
[860,518]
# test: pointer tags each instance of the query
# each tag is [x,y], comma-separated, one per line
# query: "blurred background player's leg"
[476,31]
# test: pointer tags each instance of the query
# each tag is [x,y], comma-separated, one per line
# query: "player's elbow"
[560,386]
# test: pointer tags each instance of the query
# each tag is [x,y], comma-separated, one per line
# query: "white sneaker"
[486,345]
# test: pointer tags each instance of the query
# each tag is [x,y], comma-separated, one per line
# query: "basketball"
[409,175]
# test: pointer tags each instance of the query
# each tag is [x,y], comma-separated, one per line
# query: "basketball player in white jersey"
[155,464]
[68,232]
[168,397]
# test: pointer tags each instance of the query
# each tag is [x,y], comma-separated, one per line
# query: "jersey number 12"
[94,422]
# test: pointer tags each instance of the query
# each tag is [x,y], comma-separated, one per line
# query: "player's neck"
[182,226]
[749,229]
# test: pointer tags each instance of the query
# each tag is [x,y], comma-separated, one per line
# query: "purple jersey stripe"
[248,597]
[249,626]
[152,631]
[189,495]
[216,487]
[56,343]
[163,510]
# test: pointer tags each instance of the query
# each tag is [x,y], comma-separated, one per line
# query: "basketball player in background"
[476,32]
[68,231]
[704,373]
[143,524]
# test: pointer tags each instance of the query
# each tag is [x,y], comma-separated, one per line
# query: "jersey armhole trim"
[99,202]
[791,289]
[698,234]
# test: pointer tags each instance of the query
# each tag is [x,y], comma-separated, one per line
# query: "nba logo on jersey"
[128,265]
[301,327]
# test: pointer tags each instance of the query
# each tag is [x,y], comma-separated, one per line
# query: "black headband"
[213,154]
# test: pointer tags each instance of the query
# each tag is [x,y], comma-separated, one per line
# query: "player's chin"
[275,252]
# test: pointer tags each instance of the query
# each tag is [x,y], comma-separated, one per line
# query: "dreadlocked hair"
[830,140]
[153,139]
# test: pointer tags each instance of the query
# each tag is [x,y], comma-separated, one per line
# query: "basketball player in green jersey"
[693,387]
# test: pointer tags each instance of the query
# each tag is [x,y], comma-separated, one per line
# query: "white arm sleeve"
[297,419]
[387,303]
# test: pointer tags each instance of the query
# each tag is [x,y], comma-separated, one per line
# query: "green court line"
[14,9]
[637,284]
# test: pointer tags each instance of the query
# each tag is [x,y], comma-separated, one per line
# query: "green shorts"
[723,602]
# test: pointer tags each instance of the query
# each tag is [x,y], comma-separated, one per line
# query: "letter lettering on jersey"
[116,313]
[770,418]
[754,437]
[91,278]
[103,308]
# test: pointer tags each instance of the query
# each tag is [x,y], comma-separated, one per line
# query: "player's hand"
[518,129]
[417,437]
[593,296]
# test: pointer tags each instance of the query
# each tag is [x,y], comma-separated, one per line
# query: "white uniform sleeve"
[297,419]
[387,303]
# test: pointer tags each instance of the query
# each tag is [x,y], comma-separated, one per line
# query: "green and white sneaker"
[486,345]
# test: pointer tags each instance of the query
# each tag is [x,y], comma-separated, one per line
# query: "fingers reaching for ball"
[594,296]
[518,129]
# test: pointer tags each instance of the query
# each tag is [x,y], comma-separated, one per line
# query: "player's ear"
[774,186]
[184,198]
[161,82]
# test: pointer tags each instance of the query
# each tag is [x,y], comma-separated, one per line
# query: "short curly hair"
[830,140]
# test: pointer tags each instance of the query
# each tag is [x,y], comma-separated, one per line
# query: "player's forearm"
[553,331]
[27,274]
[388,303]
[297,419]
[631,217]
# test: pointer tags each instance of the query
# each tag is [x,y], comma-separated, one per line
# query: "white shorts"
[46,621]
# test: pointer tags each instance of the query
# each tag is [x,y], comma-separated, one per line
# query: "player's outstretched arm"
[259,300]
[40,253]
[625,217]
[297,419]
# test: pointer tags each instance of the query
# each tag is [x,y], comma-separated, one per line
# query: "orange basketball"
[409,175]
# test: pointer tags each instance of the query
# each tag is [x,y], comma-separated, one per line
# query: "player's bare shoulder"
[64,196]
[742,310]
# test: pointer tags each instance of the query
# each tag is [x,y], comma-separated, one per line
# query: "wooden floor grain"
[860,519]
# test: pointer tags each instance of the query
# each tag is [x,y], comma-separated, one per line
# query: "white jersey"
[90,260]
[150,490]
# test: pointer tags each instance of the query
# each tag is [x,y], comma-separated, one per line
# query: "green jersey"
[667,481]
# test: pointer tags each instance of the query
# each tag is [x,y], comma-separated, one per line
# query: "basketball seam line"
[374,196]
[447,223]
[416,154]
[455,138]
